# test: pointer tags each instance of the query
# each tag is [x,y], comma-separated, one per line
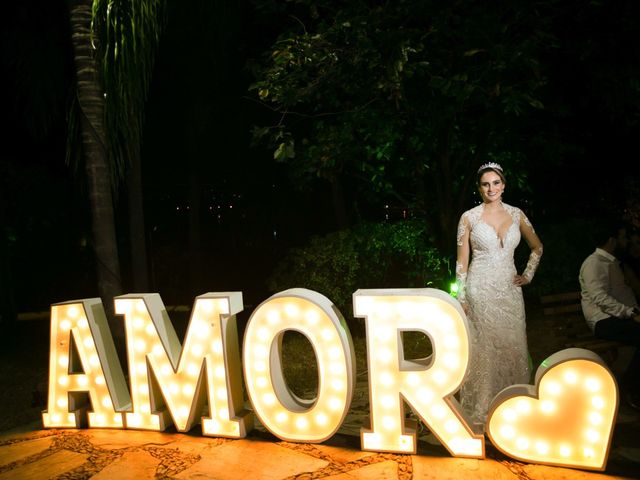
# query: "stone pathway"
[113,454]
[130,454]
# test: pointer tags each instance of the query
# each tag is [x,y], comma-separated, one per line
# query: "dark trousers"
[627,331]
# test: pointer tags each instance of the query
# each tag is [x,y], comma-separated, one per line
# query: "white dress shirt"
[604,291]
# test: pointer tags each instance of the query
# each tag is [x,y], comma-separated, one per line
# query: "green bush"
[369,255]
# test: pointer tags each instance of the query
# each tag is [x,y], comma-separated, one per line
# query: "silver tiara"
[490,165]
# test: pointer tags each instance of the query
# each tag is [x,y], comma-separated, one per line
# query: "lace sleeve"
[461,282]
[536,249]
[532,264]
[462,229]
[462,262]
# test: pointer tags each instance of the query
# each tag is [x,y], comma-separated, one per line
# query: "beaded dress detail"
[499,356]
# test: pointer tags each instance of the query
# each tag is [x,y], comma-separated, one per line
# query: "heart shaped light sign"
[565,419]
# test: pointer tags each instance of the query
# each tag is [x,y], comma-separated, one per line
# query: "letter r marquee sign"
[565,419]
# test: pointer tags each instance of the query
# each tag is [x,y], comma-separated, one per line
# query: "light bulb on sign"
[427,385]
[99,372]
[182,386]
[278,408]
[565,419]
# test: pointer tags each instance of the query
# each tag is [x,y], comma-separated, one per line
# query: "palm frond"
[126,34]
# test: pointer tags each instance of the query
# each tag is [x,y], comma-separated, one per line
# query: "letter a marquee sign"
[565,419]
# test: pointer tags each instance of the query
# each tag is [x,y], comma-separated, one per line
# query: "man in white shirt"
[609,305]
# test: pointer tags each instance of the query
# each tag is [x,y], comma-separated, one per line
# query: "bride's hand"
[519,280]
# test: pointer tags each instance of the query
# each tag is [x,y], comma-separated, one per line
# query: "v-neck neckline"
[506,232]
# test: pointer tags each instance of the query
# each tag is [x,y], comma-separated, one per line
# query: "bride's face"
[491,187]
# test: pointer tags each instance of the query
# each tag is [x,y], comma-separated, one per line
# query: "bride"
[489,290]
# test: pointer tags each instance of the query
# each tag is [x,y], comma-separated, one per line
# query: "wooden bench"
[572,327]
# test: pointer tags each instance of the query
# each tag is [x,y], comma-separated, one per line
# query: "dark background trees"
[271,122]
[403,100]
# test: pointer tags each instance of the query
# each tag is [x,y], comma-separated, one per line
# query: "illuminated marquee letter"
[208,367]
[566,419]
[427,385]
[83,359]
[280,410]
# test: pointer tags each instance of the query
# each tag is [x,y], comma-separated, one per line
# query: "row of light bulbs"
[207,370]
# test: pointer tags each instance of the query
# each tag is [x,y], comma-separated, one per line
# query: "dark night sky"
[43,204]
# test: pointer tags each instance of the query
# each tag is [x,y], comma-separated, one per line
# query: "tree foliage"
[126,35]
[404,99]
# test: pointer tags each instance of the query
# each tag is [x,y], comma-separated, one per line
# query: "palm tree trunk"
[91,101]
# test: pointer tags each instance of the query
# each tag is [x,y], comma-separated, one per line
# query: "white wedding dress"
[499,354]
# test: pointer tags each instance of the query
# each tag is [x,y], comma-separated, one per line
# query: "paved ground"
[32,453]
